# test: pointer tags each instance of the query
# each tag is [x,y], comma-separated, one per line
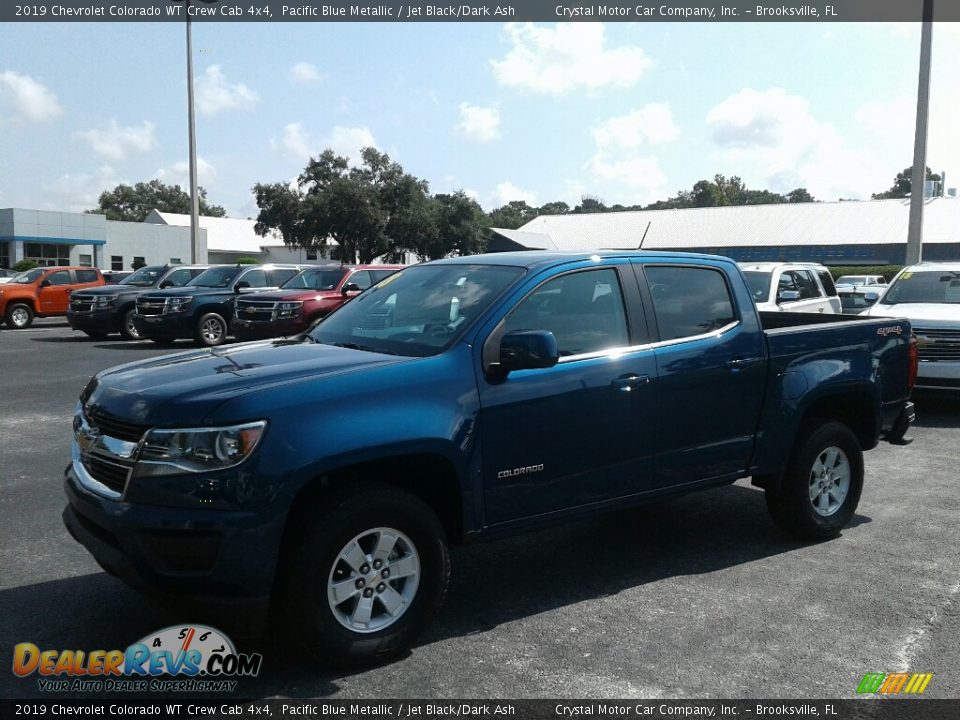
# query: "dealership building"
[871,232]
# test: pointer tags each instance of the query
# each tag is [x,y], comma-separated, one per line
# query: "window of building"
[176,261]
[583,310]
[86,260]
[311,254]
[138,262]
[116,263]
[689,301]
[4,255]
[47,254]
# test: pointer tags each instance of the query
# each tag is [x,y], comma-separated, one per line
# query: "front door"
[579,432]
[54,293]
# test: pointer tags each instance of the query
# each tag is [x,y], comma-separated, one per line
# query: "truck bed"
[785,320]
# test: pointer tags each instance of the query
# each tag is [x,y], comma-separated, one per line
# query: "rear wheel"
[19,316]
[363,576]
[127,328]
[820,490]
[211,330]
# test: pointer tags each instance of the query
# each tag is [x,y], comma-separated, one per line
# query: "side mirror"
[241,286]
[528,350]
[350,287]
[788,296]
[45,282]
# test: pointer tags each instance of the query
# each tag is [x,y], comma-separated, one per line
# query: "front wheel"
[211,330]
[127,329]
[820,490]
[362,577]
[19,316]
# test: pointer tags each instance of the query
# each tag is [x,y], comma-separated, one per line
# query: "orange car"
[43,292]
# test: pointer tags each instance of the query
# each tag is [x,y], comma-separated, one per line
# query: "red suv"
[304,298]
[43,292]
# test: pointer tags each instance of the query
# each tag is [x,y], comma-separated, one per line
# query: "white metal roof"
[223,234]
[825,223]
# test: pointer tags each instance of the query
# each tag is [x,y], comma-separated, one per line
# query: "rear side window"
[179,278]
[87,276]
[689,301]
[826,279]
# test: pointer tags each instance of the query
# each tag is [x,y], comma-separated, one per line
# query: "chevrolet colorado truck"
[303,299]
[463,399]
[97,312]
[43,292]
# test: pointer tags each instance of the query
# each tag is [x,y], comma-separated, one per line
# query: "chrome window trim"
[651,346]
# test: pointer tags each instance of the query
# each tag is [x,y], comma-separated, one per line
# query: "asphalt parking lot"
[698,597]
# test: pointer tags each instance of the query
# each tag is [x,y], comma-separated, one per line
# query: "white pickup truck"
[792,287]
[928,295]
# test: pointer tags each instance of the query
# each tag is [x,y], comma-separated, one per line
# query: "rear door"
[711,372]
[581,431]
[54,292]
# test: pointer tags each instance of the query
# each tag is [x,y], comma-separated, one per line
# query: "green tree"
[800,195]
[590,204]
[902,184]
[134,203]
[554,208]
[460,226]
[512,215]
[25,265]
[371,210]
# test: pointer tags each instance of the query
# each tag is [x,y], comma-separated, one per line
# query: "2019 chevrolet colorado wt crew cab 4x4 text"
[462,399]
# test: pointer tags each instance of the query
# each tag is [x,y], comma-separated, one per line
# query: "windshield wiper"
[365,348]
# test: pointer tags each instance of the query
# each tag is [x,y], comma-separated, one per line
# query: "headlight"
[105,300]
[178,304]
[195,450]
[289,309]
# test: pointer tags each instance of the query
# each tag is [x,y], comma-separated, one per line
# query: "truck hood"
[111,290]
[189,292]
[288,295]
[945,314]
[182,389]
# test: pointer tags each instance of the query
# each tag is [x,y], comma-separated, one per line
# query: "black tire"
[127,329]
[163,341]
[204,334]
[790,502]
[19,316]
[95,335]
[311,557]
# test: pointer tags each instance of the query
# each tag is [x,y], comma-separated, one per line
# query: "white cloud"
[79,192]
[113,142]
[772,138]
[304,72]
[651,124]
[179,173]
[348,141]
[215,95]
[481,124]
[566,57]
[30,99]
[507,192]
[295,142]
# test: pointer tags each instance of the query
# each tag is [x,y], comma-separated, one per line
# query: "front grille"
[112,473]
[151,307]
[81,303]
[256,310]
[117,428]
[938,344]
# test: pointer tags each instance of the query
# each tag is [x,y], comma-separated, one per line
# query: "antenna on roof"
[640,246]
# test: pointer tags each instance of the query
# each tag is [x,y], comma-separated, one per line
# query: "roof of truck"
[541,258]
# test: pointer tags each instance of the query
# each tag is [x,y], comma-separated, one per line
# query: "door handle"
[740,363]
[626,383]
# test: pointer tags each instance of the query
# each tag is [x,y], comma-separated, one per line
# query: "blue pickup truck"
[459,400]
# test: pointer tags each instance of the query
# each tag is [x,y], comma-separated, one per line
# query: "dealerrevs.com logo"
[191,658]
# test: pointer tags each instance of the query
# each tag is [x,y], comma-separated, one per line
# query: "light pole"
[918,178]
[192,133]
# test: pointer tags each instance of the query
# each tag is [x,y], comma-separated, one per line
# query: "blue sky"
[628,112]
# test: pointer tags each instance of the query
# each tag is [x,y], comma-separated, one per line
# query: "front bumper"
[96,321]
[253,330]
[226,557]
[173,325]
[938,375]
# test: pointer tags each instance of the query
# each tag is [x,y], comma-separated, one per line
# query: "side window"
[809,290]
[61,277]
[689,301]
[583,310]
[86,276]
[361,278]
[279,276]
[178,278]
[256,278]
[378,275]
[195,271]
[826,279]
[788,281]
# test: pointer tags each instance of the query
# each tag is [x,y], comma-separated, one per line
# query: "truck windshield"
[29,276]
[144,277]
[217,277]
[315,280]
[927,286]
[759,283]
[418,311]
